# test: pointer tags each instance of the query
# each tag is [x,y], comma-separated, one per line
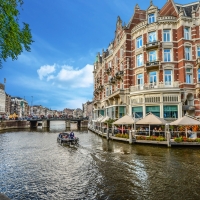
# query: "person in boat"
[71,135]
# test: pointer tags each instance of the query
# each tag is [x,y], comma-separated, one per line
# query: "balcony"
[152,45]
[152,64]
[100,88]
[112,80]
[198,62]
[108,70]
[153,86]
[119,74]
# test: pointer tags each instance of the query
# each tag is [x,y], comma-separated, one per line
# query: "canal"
[34,166]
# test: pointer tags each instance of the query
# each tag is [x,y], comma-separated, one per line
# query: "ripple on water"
[34,166]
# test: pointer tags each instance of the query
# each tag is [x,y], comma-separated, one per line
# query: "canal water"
[33,166]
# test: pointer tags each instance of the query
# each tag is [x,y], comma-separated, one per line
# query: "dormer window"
[151,18]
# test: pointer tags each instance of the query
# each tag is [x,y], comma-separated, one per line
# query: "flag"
[4,80]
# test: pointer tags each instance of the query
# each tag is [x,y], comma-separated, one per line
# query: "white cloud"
[72,77]
[45,70]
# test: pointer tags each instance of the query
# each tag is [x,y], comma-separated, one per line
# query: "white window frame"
[188,55]
[189,76]
[152,56]
[169,80]
[152,37]
[141,84]
[167,55]
[110,89]
[121,67]
[152,76]
[139,42]
[166,35]
[187,33]
[139,60]
[110,64]
[121,52]
[151,18]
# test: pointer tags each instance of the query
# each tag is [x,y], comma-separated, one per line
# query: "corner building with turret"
[152,65]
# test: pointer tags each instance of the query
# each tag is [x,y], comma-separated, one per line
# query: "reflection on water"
[34,166]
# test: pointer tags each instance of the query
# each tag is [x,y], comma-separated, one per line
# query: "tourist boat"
[64,138]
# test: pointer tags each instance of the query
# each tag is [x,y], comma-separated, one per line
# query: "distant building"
[8,104]
[77,113]
[19,106]
[87,109]
[2,99]
[68,112]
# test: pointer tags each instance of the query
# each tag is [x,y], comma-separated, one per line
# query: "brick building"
[152,65]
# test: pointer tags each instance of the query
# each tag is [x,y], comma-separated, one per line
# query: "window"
[140,81]
[167,55]
[153,78]
[110,90]
[138,111]
[198,52]
[166,35]
[198,75]
[151,18]
[139,60]
[188,75]
[187,33]
[152,36]
[122,111]
[170,111]
[187,53]
[121,67]
[121,53]
[152,56]
[139,42]
[168,77]
[154,110]
[107,91]
[110,64]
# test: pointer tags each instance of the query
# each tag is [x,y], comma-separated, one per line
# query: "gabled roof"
[169,9]
[187,8]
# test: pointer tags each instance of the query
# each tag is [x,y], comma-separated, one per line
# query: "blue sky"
[67,34]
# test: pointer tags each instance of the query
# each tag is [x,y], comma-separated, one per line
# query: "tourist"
[71,135]
[154,131]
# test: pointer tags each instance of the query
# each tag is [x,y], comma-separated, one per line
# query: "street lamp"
[32,104]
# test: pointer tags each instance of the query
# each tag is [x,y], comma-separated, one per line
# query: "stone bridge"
[72,123]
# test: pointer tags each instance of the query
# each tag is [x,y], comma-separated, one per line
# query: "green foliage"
[178,139]
[109,122]
[122,135]
[13,38]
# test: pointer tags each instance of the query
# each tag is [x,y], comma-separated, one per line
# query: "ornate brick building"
[152,65]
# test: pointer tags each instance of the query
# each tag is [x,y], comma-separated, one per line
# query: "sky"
[67,34]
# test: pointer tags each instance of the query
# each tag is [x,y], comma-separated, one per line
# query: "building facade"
[87,110]
[2,99]
[152,65]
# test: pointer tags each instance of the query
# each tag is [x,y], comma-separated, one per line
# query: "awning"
[104,119]
[152,119]
[186,120]
[125,120]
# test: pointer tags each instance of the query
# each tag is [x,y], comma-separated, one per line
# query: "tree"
[13,37]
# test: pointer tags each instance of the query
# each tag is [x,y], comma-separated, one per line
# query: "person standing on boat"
[71,135]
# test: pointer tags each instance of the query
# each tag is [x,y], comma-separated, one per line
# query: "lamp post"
[31,105]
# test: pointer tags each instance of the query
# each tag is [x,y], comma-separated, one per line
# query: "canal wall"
[11,124]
